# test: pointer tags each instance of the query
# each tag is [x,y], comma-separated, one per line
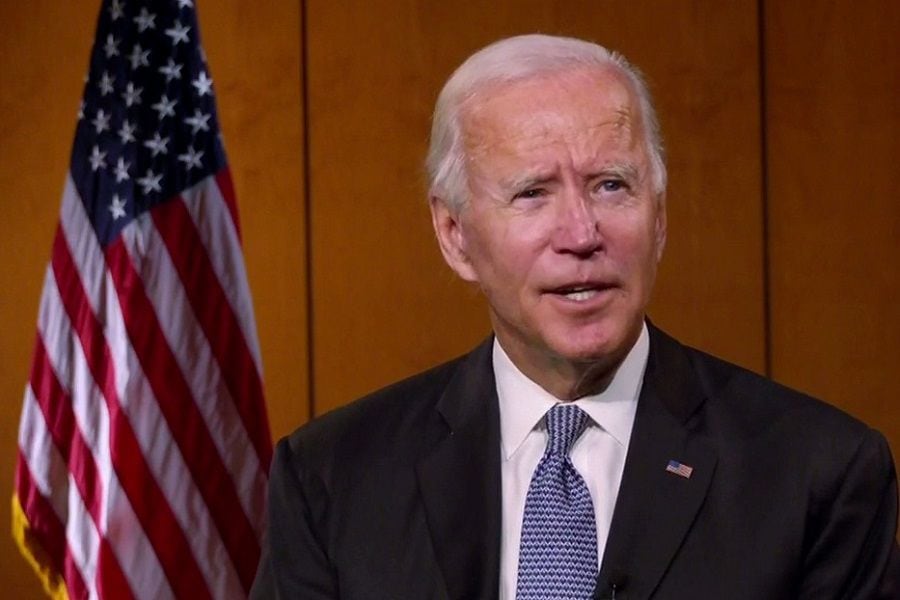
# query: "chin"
[605,345]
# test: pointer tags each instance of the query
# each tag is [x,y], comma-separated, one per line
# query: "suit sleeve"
[294,561]
[853,553]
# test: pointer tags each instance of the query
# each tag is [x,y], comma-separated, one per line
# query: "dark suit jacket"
[398,495]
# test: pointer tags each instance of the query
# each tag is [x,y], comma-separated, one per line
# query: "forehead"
[583,108]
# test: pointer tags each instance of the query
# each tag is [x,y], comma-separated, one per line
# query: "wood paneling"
[384,305]
[254,51]
[42,61]
[833,104]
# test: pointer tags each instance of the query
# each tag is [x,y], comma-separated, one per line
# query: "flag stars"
[178,33]
[117,207]
[97,159]
[116,10]
[157,145]
[203,83]
[126,132]
[139,57]
[185,4]
[150,182]
[198,122]
[146,20]
[122,170]
[191,159]
[81,110]
[101,121]
[171,70]
[106,84]
[165,107]
[132,94]
[111,47]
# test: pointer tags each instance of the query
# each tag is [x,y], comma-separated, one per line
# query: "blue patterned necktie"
[558,548]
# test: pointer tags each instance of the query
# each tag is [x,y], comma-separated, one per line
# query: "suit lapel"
[459,479]
[655,507]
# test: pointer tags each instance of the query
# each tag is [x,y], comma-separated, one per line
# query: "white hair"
[515,59]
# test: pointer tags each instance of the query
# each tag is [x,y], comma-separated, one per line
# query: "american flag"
[679,469]
[144,443]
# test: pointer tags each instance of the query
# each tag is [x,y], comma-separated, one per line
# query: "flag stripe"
[140,404]
[147,500]
[45,526]
[56,407]
[213,310]
[180,411]
[226,186]
[202,373]
[210,212]
[126,539]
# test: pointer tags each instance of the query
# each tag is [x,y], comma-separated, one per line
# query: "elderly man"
[579,452]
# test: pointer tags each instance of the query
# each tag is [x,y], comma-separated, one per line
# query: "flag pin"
[679,469]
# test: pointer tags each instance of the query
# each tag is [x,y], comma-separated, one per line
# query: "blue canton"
[558,548]
[147,126]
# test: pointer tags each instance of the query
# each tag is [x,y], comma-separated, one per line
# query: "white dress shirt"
[598,455]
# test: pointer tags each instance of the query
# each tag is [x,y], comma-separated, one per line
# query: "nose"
[577,229]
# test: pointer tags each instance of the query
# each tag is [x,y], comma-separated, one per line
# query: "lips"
[580,292]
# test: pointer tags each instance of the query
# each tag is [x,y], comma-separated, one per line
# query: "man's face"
[562,229]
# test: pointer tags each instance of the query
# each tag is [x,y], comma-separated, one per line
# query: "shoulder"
[755,418]
[383,422]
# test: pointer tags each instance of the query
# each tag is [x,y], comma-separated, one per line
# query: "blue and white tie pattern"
[558,548]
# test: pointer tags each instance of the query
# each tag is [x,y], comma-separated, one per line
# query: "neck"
[565,379]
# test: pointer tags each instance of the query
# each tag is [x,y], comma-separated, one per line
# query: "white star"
[165,107]
[171,70]
[145,21]
[81,110]
[157,145]
[122,170]
[178,33]
[126,132]
[101,121]
[139,57]
[97,159]
[132,95]
[115,11]
[117,207]
[111,48]
[185,4]
[203,84]
[198,122]
[150,182]
[106,84]
[191,159]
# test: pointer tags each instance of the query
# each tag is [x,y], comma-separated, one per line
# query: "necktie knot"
[565,423]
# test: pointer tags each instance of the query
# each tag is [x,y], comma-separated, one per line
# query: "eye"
[530,193]
[611,185]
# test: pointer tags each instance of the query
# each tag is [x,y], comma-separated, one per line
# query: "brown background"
[782,122]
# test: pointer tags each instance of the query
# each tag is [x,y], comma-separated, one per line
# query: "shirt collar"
[523,403]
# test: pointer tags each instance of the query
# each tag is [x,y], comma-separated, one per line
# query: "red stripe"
[178,406]
[56,407]
[46,530]
[226,187]
[217,319]
[147,500]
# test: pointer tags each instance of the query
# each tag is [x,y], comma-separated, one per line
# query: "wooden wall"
[782,122]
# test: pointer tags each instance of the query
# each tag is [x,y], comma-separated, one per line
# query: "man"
[580,452]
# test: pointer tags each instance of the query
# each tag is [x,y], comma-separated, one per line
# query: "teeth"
[581,295]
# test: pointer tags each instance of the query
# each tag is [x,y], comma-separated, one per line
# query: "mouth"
[580,292]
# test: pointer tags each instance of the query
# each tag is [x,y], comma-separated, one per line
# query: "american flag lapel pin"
[679,469]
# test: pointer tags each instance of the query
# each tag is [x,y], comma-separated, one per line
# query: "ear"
[451,238]
[660,225]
